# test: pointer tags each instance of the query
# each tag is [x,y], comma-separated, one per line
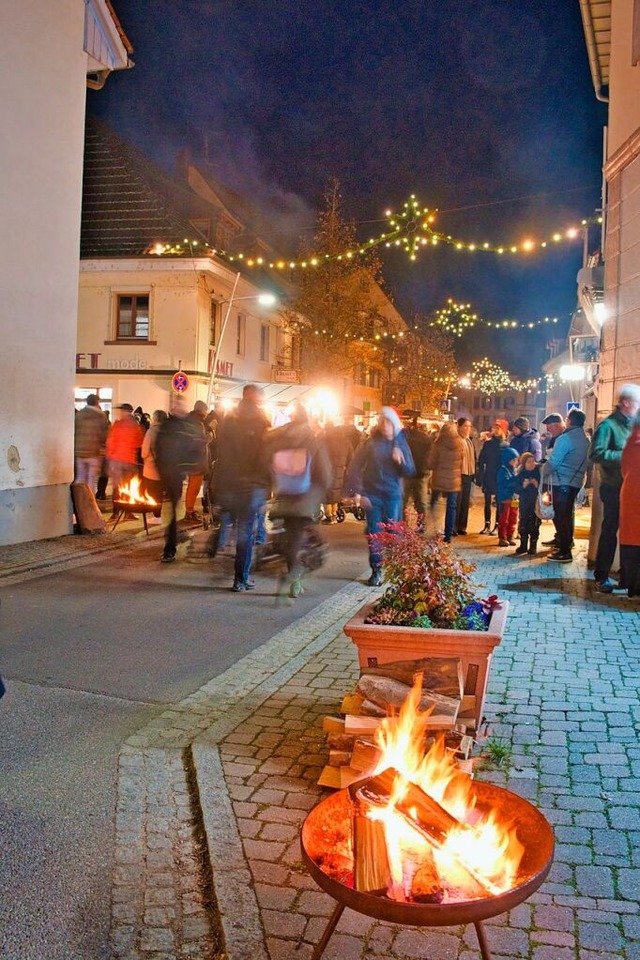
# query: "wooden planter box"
[382,643]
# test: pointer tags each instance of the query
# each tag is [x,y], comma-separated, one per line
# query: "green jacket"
[607,446]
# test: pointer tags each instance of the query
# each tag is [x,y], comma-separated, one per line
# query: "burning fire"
[470,850]
[130,493]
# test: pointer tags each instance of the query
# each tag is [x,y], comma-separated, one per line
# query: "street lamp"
[264,299]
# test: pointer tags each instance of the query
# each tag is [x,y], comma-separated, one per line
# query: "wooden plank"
[365,756]
[339,758]
[441,674]
[387,692]
[351,703]
[330,777]
[333,725]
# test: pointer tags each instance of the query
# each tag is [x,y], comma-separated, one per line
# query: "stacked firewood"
[381,692]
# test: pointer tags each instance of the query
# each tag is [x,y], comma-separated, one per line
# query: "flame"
[130,493]
[482,854]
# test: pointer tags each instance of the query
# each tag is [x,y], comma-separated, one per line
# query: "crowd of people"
[238,462]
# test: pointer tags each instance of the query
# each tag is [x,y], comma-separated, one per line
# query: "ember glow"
[130,493]
[477,856]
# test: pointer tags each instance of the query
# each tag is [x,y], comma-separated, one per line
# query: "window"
[241,332]
[264,341]
[486,423]
[132,322]
[213,319]
[476,402]
[104,394]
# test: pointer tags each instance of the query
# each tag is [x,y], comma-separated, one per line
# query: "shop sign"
[282,375]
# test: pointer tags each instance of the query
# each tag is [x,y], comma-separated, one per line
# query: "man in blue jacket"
[566,468]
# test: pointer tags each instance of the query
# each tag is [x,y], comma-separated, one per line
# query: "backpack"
[180,445]
[291,471]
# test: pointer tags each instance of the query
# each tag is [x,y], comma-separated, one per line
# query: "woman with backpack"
[301,474]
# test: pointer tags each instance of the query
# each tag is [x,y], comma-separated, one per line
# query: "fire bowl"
[330,822]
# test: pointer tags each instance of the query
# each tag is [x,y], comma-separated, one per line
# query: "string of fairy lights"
[410,229]
[458,318]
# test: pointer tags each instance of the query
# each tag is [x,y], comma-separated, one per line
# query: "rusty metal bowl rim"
[436,914]
[126,506]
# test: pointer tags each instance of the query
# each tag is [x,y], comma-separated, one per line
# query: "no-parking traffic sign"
[179,382]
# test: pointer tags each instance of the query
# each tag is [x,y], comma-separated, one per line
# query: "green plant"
[497,752]
[429,584]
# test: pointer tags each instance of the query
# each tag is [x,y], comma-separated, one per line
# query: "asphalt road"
[90,655]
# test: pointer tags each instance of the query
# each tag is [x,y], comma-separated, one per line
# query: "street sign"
[179,382]
[573,405]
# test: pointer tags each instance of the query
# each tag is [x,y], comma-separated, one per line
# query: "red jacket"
[629,534]
[124,441]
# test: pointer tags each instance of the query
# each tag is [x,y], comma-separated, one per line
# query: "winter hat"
[390,414]
[526,456]
[522,423]
[507,454]
[504,425]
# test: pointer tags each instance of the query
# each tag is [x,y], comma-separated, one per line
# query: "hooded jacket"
[506,479]
[528,442]
[373,471]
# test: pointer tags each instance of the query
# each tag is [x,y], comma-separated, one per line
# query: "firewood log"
[372,873]
[389,693]
[441,674]
[426,886]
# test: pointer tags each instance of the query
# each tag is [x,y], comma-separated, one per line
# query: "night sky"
[483,109]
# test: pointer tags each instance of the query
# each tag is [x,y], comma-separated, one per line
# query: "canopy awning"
[273,392]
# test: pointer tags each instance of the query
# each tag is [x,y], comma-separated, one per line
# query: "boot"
[524,543]
[533,547]
[375,580]
[494,531]
[486,528]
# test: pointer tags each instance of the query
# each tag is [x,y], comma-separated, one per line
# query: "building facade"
[612,32]
[47,51]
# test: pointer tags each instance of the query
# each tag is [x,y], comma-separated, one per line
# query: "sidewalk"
[563,694]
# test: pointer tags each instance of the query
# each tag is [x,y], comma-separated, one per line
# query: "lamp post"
[266,299]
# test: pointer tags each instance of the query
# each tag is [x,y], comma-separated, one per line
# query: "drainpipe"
[592,50]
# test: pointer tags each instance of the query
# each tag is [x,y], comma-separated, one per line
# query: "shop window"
[241,333]
[105,397]
[132,318]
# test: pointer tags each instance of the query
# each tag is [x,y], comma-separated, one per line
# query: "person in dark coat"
[377,472]
[420,445]
[298,510]
[337,441]
[527,489]
[488,466]
[525,439]
[242,479]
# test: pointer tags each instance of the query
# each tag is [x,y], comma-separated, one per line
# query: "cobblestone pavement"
[213,791]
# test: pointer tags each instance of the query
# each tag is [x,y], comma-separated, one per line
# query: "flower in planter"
[429,585]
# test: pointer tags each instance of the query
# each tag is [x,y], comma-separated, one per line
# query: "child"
[528,484]
[506,483]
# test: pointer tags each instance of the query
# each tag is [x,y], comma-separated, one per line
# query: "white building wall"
[180,293]
[620,345]
[624,84]
[42,84]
